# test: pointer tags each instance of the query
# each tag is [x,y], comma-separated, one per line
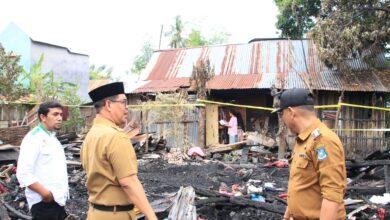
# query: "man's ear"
[41,117]
[107,104]
[292,111]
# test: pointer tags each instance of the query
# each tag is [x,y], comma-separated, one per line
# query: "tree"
[143,58]
[341,29]
[41,85]
[296,17]
[69,98]
[202,72]
[176,32]
[101,72]
[219,37]
[352,28]
[196,39]
[10,75]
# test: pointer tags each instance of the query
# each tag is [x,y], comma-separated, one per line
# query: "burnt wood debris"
[244,180]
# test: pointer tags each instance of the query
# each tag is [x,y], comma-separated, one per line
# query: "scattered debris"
[226,182]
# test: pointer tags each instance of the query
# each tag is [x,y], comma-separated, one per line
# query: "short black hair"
[99,104]
[45,107]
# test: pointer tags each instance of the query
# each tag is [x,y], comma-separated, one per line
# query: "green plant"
[68,97]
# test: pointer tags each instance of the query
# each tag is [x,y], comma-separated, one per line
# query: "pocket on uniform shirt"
[302,163]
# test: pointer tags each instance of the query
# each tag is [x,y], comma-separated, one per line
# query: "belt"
[115,208]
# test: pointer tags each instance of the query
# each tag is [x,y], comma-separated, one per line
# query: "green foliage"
[195,39]
[10,73]
[339,28]
[219,37]
[41,85]
[69,97]
[143,58]
[359,28]
[101,72]
[296,17]
[176,32]
[44,87]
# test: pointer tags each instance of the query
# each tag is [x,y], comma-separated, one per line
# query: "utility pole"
[159,43]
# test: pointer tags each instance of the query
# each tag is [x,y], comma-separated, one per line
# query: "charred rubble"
[244,181]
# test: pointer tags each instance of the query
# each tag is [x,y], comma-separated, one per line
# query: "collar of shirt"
[306,133]
[103,121]
[51,134]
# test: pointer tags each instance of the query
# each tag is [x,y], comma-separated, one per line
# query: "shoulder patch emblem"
[321,153]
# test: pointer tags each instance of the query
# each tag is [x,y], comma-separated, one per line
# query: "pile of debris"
[245,182]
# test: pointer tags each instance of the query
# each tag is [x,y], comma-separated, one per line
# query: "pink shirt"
[232,129]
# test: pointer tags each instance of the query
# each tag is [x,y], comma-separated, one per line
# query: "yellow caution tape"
[164,105]
[213,102]
[327,106]
[132,106]
[364,106]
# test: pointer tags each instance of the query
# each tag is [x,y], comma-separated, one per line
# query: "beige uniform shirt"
[107,156]
[317,171]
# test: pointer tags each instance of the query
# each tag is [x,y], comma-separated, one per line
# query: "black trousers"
[48,211]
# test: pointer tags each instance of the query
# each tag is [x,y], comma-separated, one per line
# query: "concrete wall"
[67,66]
[14,39]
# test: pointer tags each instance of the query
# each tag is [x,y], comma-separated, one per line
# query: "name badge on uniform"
[316,133]
[321,153]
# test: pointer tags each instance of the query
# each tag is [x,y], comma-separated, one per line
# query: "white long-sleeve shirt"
[42,159]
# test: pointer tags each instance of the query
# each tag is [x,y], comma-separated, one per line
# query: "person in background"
[232,127]
[42,166]
[318,179]
[109,160]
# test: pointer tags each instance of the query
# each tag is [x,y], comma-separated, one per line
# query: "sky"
[113,32]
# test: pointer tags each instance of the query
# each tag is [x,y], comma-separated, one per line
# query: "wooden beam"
[260,205]
[225,147]
[367,163]
[211,124]
[367,190]
[387,178]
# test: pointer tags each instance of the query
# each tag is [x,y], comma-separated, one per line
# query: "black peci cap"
[107,90]
[295,97]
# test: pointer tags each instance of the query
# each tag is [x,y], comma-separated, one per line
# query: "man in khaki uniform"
[318,178]
[109,160]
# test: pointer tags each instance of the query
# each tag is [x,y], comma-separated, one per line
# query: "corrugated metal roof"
[261,64]
[248,81]
[163,85]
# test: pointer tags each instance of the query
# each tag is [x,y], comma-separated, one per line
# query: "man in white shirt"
[42,166]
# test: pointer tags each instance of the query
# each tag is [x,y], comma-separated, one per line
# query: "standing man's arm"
[136,193]
[286,215]
[121,154]
[329,210]
[29,151]
[46,195]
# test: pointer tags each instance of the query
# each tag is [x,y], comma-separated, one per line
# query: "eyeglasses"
[123,102]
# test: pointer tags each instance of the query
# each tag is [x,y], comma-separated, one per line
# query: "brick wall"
[13,135]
